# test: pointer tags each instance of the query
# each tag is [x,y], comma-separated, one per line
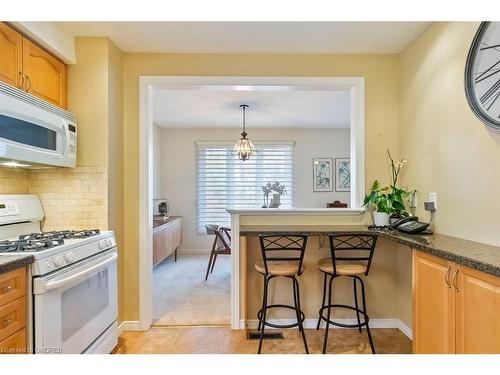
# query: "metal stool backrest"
[354,247]
[219,242]
[283,248]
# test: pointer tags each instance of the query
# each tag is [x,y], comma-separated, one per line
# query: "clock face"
[482,74]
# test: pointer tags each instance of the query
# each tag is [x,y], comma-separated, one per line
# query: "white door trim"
[146,86]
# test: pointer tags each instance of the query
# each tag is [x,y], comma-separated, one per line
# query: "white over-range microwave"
[33,132]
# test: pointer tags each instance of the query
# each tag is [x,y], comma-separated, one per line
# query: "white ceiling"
[268,108]
[253,37]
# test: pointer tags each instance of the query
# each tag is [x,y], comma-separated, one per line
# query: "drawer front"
[14,344]
[12,317]
[12,285]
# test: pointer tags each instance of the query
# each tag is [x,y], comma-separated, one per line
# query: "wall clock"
[482,74]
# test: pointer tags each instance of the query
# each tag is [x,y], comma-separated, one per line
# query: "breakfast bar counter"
[475,255]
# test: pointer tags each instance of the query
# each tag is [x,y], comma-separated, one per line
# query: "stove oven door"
[75,305]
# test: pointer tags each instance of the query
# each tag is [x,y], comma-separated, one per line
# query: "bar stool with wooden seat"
[351,256]
[282,256]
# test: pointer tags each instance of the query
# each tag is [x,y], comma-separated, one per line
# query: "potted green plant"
[378,200]
[388,203]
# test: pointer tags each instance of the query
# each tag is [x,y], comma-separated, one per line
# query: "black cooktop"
[43,240]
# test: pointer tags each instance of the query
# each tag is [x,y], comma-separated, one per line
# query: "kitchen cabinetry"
[455,308]
[13,312]
[11,52]
[31,68]
[167,236]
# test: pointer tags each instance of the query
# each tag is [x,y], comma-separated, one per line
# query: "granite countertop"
[13,262]
[158,221]
[476,255]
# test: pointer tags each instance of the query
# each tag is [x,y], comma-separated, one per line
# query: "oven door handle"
[45,286]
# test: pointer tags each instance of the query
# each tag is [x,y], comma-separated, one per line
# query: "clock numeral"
[480,78]
[491,95]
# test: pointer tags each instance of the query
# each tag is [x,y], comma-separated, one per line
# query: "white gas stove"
[73,279]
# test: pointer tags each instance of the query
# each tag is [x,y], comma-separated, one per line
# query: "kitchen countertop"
[158,221]
[13,262]
[476,255]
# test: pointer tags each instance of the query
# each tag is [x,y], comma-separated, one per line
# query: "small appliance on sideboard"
[160,207]
[73,280]
[33,132]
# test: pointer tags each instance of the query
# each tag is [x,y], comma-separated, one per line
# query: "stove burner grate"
[44,240]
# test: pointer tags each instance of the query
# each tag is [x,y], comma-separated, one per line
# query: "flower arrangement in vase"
[278,190]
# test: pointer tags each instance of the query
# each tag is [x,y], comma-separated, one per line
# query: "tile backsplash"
[14,181]
[75,198]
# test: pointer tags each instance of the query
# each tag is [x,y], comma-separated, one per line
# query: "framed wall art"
[342,174]
[322,174]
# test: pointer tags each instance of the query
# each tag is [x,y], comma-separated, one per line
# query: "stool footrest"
[272,325]
[334,323]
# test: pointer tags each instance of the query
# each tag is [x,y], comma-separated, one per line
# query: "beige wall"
[177,180]
[449,150]
[115,157]
[381,114]
[88,99]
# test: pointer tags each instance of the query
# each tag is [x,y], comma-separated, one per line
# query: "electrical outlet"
[433,198]
[413,200]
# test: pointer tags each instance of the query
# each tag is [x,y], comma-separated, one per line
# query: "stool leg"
[356,302]
[296,295]
[322,301]
[295,301]
[262,307]
[366,316]
[328,314]
[263,319]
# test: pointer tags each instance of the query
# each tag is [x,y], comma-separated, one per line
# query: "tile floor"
[222,340]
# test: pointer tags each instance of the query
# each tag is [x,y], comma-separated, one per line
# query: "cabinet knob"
[5,323]
[5,288]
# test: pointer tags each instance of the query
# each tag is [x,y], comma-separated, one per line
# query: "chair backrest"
[357,247]
[283,248]
[219,241]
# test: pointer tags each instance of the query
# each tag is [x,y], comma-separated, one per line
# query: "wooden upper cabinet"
[45,76]
[11,56]
[478,309]
[433,305]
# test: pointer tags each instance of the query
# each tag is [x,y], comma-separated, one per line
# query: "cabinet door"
[433,305]
[11,56]
[45,76]
[477,312]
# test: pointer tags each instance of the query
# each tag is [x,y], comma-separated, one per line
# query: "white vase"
[380,219]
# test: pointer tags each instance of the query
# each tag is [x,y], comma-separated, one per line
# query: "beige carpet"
[183,297]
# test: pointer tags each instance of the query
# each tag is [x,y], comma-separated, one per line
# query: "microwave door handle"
[50,285]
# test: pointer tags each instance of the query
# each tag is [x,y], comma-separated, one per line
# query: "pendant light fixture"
[244,148]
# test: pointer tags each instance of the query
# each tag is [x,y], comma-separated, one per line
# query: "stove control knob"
[70,257]
[102,244]
[59,261]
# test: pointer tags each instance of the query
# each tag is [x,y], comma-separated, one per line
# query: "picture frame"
[322,174]
[342,174]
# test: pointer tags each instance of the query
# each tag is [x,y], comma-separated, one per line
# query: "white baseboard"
[406,330]
[128,325]
[311,324]
[194,251]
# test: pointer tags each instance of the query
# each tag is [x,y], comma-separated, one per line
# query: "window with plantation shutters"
[224,181]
